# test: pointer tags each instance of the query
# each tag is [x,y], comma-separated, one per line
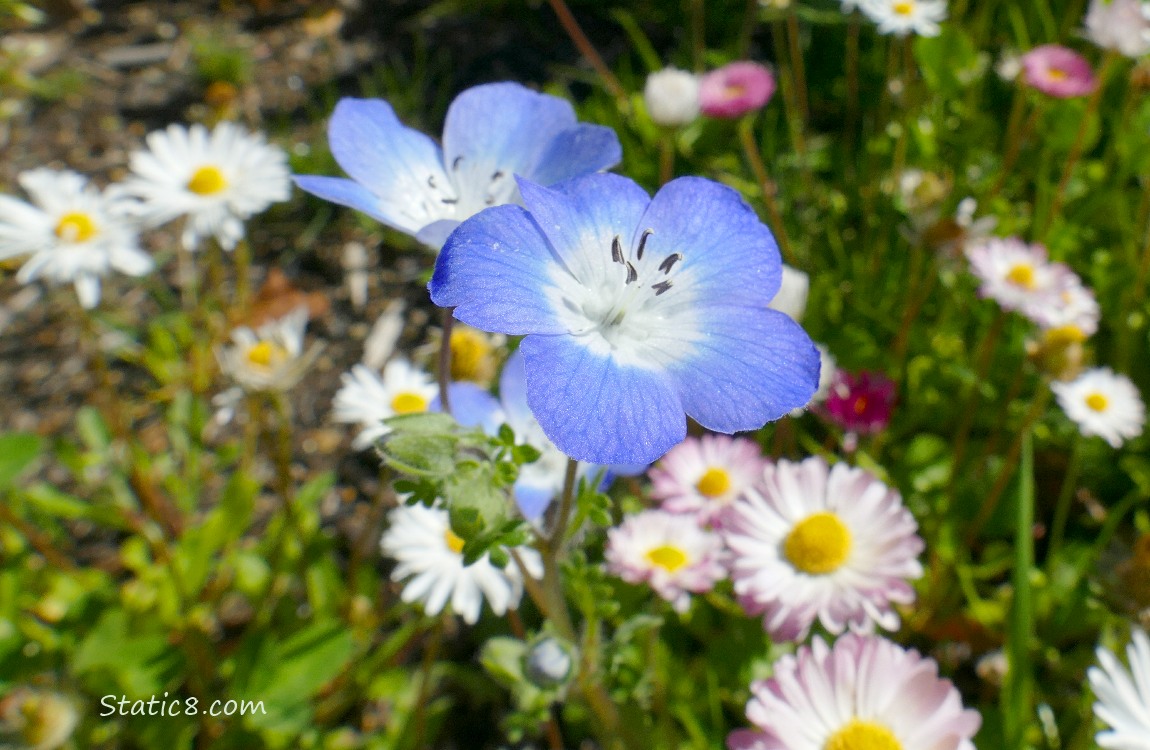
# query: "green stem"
[243,261]
[444,365]
[798,68]
[985,352]
[755,159]
[1062,509]
[666,157]
[429,656]
[587,49]
[698,35]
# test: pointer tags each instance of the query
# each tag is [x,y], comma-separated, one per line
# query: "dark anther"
[449,201]
[670,261]
[490,201]
[643,243]
[497,176]
[431,181]
[661,287]
[632,274]
[616,250]
[455,163]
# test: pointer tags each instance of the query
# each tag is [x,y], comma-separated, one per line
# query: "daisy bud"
[1059,352]
[792,297]
[735,89]
[672,97]
[548,663]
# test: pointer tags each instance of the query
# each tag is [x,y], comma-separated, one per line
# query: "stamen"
[670,261]
[643,243]
[661,287]
[617,250]
[431,181]
[449,201]
[497,176]
[632,274]
[455,163]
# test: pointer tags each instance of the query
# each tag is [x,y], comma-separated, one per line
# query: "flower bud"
[672,97]
[547,663]
[735,89]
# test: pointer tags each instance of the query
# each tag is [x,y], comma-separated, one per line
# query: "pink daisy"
[860,402]
[862,692]
[816,542]
[669,552]
[1014,274]
[1058,71]
[705,475]
[735,89]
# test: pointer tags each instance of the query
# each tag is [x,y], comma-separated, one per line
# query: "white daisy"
[863,692]
[1103,403]
[271,358]
[216,180]
[1119,25]
[367,399]
[1123,696]
[815,542]
[420,539]
[73,231]
[902,17]
[1070,305]
[668,551]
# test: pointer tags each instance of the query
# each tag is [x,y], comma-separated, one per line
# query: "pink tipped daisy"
[735,89]
[1014,274]
[669,552]
[705,475]
[1070,305]
[816,542]
[1058,71]
[863,692]
[860,402]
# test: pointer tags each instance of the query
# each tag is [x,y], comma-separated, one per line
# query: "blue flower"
[493,132]
[636,311]
[539,482]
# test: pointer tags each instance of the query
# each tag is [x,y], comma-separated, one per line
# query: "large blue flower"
[636,311]
[493,133]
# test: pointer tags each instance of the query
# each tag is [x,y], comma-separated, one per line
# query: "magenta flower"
[735,89]
[860,402]
[1058,71]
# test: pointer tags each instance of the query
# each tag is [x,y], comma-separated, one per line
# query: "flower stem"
[1062,509]
[429,656]
[1079,142]
[984,357]
[751,149]
[444,366]
[798,69]
[795,119]
[243,261]
[990,502]
[850,122]
[1016,138]
[666,157]
[698,34]
[583,44]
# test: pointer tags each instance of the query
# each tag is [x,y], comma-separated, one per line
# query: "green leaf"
[944,58]
[419,454]
[17,452]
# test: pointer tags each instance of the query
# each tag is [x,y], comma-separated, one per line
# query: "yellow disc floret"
[668,557]
[903,8]
[1021,275]
[1097,401]
[863,735]
[819,544]
[472,356]
[714,483]
[207,180]
[75,227]
[454,542]
[267,354]
[408,403]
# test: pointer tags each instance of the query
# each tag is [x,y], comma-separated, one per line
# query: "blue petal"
[435,234]
[752,366]
[501,126]
[402,167]
[513,390]
[494,271]
[581,218]
[596,411]
[576,152]
[532,499]
[473,406]
[344,192]
[728,254]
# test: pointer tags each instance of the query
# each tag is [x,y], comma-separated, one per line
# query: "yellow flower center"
[668,557]
[471,356]
[904,8]
[75,227]
[207,181]
[1097,401]
[818,544]
[454,542]
[408,403]
[714,482]
[860,405]
[266,354]
[1057,74]
[863,735]
[1065,335]
[1022,275]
